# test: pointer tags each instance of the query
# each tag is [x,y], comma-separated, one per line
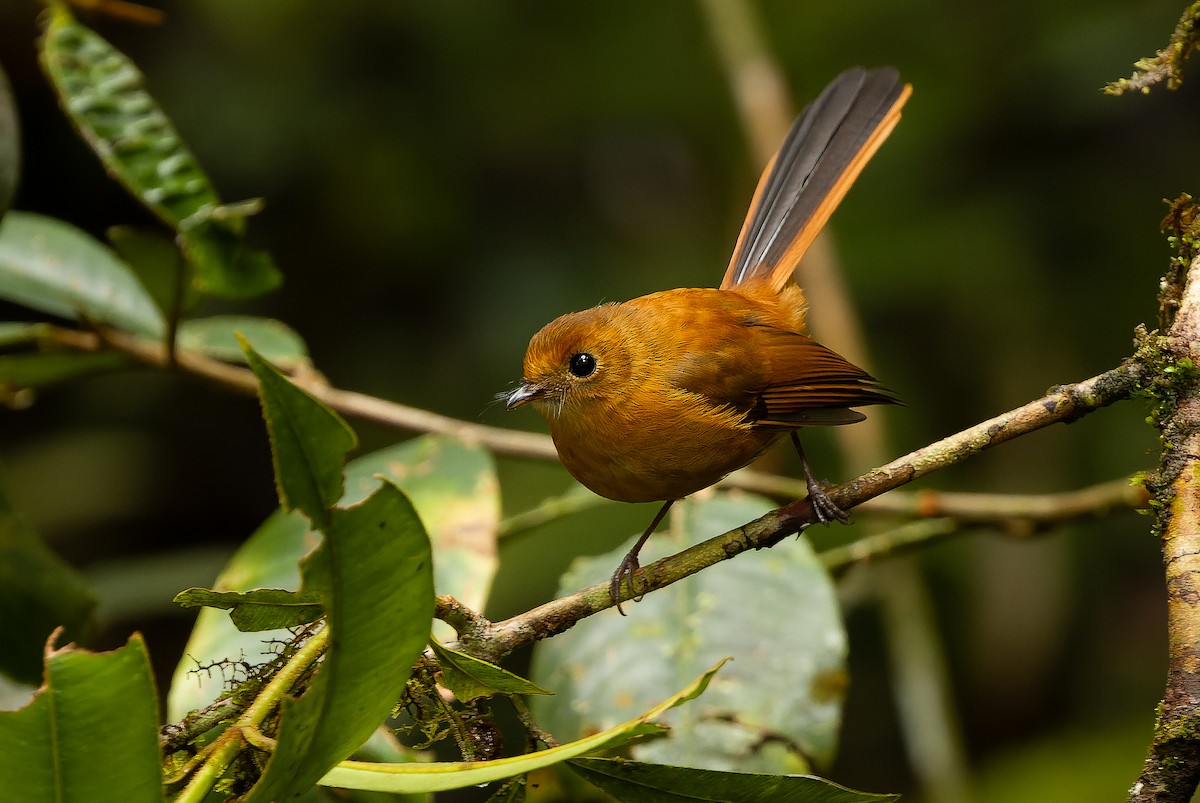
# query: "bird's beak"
[523,395]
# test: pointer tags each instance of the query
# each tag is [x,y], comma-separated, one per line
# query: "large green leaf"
[777,705]
[374,575]
[10,145]
[103,94]
[91,733]
[309,442]
[38,593]
[453,487]
[54,267]
[457,775]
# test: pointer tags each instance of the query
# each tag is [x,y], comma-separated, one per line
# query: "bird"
[656,398]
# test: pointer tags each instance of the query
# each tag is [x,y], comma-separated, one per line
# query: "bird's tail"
[825,150]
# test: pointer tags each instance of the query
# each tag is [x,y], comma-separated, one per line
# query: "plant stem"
[227,746]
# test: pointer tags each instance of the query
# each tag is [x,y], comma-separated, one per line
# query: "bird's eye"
[582,364]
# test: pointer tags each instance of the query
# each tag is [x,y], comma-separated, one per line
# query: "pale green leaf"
[216,336]
[53,267]
[774,611]
[456,775]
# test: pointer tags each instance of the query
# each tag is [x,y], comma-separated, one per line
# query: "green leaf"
[38,593]
[39,369]
[374,574]
[778,705]
[453,487]
[10,145]
[104,96]
[634,782]
[158,265]
[309,442]
[90,734]
[257,610]
[53,267]
[456,775]
[470,678]
[217,337]
[224,264]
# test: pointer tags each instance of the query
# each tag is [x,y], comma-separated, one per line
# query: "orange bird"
[656,398]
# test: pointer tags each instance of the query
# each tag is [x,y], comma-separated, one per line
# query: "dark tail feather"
[825,150]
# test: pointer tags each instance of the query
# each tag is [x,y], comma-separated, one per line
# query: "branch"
[1017,514]
[1062,405]
[1172,765]
[1166,64]
[358,405]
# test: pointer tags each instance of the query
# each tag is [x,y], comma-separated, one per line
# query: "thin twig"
[1020,513]
[358,405]
[1166,64]
[888,542]
[576,500]
[172,737]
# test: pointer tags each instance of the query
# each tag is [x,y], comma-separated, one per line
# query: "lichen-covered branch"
[1166,64]
[1172,766]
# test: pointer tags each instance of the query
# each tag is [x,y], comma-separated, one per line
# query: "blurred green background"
[443,178]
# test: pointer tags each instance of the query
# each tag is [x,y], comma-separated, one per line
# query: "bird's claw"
[824,508]
[624,576]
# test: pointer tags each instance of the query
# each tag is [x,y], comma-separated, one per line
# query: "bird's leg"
[629,564]
[822,505]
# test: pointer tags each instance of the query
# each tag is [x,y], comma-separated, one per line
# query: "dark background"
[443,178]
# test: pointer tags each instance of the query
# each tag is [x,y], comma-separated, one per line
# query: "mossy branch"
[1167,64]
[1172,766]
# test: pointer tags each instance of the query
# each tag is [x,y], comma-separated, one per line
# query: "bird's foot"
[625,576]
[823,507]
